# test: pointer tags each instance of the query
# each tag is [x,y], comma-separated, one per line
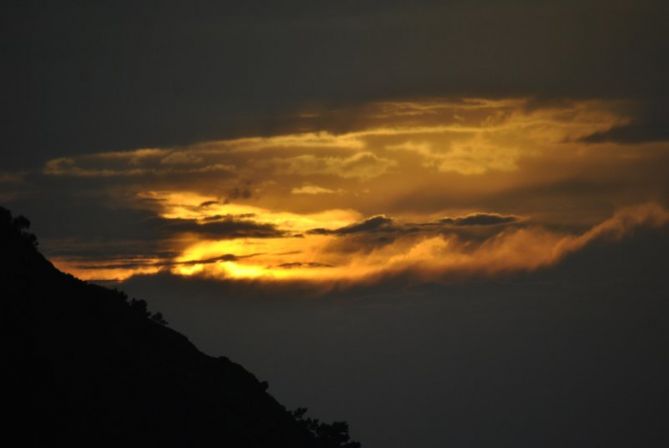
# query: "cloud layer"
[434,187]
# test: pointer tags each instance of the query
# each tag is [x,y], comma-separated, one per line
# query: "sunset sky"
[307,148]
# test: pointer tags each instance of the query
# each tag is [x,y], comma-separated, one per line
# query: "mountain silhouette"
[93,367]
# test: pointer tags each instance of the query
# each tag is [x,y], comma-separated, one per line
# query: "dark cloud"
[379,225]
[379,231]
[649,123]
[218,227]
[479,219]
[242,191]
[373,224]
[638,132]
[238,216]
[304,265]
[130,263]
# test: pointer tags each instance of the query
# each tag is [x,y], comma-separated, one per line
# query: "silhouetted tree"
[158,318]
[139,307]
[16,227]
[329,435]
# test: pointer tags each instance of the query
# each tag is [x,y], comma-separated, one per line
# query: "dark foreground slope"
[93,367]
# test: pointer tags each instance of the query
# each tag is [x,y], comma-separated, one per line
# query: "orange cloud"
[467,137]
[518,180]
[322,258]
[350,257]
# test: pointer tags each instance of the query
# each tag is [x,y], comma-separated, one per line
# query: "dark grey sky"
[89,76]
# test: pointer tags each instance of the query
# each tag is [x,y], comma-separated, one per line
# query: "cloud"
[105,271]
[411,177]
[103,166]
[373,224]
[252,243]
[633,133]
[11,186]
[241,191]
[176,205]
[363,165]
[219,227]
[164,263]
[647,124]
[312,189]
[181,158]
[11,178]
[383,224]
[379,247]
[303,265]
[469,137]
[480,219]
[624,58]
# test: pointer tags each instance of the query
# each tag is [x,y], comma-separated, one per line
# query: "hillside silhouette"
[97,368]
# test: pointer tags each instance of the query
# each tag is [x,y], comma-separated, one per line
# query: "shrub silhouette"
[330,435]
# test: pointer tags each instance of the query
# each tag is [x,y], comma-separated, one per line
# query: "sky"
[358,167]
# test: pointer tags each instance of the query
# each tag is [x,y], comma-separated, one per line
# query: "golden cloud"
[336,246]
[313,189]
[469,137]
[518,179]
